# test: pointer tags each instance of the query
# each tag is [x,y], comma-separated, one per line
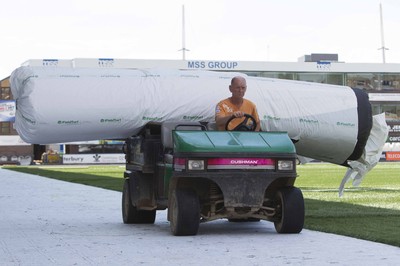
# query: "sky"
[231,30]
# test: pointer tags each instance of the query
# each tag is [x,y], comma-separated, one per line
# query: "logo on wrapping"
[110,120]
[68,122]
[192,117]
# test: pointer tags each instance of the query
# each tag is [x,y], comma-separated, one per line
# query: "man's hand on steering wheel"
[243,126]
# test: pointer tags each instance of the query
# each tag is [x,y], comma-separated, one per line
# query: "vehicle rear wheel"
[130,214]
[289,204]
[185,207]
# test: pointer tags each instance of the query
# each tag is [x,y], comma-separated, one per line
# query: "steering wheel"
[243,126]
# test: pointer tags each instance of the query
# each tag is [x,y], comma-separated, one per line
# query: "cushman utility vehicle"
[200,175]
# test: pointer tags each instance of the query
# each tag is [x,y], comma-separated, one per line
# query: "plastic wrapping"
[56,105]
[370,156]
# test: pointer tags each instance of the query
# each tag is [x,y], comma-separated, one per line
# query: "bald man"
[235,106]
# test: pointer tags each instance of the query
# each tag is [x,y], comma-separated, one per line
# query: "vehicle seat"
[168,126]
[212,126]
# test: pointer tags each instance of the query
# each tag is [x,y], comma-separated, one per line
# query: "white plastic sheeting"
[370,156]
[56,105]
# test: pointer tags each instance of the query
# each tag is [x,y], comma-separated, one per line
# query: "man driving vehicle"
[230,113]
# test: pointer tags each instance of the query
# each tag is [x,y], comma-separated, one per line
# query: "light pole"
[183,34]
[383,48]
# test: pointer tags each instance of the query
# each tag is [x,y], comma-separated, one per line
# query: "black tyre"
[289,204]
[185,207]
[130,214]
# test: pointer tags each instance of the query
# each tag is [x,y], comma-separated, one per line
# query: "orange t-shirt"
[225,107]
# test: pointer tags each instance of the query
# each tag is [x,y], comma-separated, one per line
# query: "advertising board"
[7,111]
[107,158]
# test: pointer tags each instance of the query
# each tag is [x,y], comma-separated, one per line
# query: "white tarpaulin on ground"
[56,105]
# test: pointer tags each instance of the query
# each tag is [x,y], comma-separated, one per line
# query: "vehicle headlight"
[196,164]
[284,165]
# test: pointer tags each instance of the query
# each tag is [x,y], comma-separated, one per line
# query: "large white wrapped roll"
[56,105]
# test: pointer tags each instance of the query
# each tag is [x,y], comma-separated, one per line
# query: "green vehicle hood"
[232,141]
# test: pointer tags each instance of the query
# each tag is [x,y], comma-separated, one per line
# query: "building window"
[362,81]
[100,148]
[392,112]
[336,79]
[389,82]
[5,93]
[310,77]
[5,128]
[375,82]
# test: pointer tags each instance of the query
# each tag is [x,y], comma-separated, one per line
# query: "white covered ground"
[49,222]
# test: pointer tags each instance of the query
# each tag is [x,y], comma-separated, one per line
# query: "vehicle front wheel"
[185,207]
[130,214]
[289,205]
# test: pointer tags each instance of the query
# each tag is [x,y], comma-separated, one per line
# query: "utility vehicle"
[200,174]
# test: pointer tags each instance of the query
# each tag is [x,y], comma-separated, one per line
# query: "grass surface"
[371,211]
[108,177]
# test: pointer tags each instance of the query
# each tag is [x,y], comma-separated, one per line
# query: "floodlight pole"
[183,34]
[383,48]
